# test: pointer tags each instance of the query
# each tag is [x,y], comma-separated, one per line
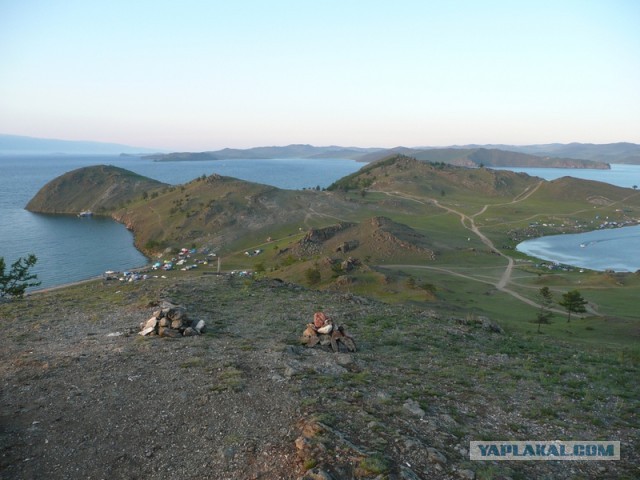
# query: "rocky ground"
[84,396]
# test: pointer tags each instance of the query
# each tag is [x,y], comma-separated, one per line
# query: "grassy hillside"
[225,213]
[100,189]
[246,400]
[409,231]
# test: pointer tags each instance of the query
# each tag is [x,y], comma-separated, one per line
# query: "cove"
[607,249]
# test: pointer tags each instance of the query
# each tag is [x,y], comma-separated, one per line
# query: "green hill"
[100,188]
[446,226]
[418,177]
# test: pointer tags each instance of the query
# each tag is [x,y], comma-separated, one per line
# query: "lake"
[608,249]
[70,249]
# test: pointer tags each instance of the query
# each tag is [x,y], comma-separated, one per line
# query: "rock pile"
[171,321]
[323,331]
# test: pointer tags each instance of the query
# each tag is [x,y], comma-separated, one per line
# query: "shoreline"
[582,256]
[79,282]
[61,286]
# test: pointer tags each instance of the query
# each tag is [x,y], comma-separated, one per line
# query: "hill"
[409,175]
[100,189]
[378,239]
[229,214]
[488,157]
[622,152]
[21,145]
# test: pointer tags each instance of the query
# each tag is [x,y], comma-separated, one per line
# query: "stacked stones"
[171,321]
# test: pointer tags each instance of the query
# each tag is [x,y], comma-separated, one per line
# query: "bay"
[71,249]
[607,249]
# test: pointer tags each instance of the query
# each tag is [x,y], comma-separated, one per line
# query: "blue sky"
[201,75]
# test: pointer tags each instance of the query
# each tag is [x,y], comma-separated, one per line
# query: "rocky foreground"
[84,395]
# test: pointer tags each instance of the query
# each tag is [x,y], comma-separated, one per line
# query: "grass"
[374,465]
[567,381]
[230,378]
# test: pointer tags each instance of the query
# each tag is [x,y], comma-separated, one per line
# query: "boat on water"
[85,213]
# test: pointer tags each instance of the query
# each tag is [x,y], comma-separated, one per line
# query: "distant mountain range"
[555,155]
[621,152]
[20,145]
[488,157]
[289,151]
[571,155]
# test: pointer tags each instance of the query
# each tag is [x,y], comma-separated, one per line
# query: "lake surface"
[70,249]
[608,249]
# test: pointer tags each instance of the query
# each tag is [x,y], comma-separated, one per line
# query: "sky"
[202,75]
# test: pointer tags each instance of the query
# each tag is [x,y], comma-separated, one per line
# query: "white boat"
[85,213]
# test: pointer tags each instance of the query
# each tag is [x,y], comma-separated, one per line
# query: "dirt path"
[468,222]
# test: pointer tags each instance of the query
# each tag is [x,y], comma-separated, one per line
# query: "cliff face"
[98,188]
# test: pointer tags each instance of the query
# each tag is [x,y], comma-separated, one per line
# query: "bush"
[313,276]
[14,283]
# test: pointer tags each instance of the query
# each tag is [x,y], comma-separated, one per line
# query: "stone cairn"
[324,332]
[171,321]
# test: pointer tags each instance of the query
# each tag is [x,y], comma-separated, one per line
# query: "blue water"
[70,249]
[609,249]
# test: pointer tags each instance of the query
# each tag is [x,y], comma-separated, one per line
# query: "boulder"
[414,408]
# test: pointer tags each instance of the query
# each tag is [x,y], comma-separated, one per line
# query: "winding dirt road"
[468,223]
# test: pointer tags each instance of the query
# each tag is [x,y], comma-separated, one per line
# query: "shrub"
[14,283]
[313,276]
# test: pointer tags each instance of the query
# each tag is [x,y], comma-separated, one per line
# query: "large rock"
[413,407]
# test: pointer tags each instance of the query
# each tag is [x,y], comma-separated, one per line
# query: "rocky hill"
[378,239]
